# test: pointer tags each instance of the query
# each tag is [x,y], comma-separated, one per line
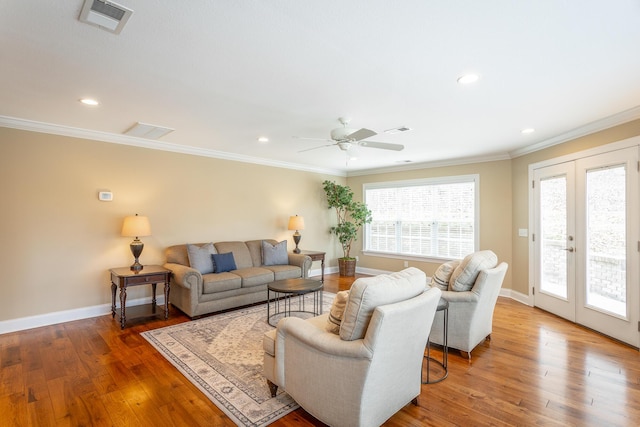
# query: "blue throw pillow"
[223,262]
[275,254]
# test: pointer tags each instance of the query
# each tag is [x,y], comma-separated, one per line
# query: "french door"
[586,246]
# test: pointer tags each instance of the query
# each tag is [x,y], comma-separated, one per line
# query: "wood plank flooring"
[537,370]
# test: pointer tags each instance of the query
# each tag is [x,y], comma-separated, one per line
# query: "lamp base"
[136,249]
[296,239]
[136,266]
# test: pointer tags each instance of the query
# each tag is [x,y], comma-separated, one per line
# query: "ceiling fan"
[346,138]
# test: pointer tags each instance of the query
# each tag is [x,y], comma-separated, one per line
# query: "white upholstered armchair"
[369,371]
[470,312]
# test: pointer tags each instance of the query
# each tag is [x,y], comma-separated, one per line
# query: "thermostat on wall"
[105,196]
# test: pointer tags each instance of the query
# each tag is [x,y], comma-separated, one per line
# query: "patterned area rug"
[222,356]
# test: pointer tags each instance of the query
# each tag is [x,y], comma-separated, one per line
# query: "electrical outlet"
[406,263]
[357,259]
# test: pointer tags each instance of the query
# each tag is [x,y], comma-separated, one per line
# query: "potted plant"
[351,215]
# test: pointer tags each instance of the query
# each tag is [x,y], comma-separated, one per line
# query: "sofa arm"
[302,261]
[184,276]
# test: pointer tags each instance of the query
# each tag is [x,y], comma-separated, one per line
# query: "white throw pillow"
[464,276]
[367,293]
[337,311]
[443,274]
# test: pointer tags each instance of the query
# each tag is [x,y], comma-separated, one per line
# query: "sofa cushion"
[200,257]
[254,276]
[274,254]
[367,293]
[177,254]
[223,262]
[442,275]
[465,274]
[241,253]
[255,249]
[281,272]
[337,311]
[212,283]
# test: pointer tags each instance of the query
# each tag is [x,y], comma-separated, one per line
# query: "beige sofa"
[368,371]
[197,293]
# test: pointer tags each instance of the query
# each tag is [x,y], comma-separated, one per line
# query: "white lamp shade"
[136,226]
[296,223]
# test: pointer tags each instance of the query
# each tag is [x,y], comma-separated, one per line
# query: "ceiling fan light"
[344,146]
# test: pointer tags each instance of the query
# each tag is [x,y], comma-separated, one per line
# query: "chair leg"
[415,401]
[466,354]
[273,388]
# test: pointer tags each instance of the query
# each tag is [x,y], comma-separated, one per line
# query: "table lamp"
[296,223]
[136,226]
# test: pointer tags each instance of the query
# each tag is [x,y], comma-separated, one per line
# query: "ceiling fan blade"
[360,134]
[383,145]
[315,148]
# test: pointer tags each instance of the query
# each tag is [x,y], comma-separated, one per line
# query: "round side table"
[443,306]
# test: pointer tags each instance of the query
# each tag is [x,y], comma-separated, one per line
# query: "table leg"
[166,299]
[153,296]
[123,304]
[322,268]
[113,300]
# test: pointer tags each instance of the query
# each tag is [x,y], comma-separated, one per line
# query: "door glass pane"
[553,228]
[606,284]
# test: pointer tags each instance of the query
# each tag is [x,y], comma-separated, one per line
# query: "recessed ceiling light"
[89,101]
[468,79]
[263,139]
[527,131]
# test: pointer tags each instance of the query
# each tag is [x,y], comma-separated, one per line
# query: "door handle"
[568,249]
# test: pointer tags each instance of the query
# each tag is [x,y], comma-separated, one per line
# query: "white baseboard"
[47,319]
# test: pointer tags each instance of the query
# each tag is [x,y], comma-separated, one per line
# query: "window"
[432,218]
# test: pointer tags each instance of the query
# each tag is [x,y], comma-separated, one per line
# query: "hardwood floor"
[537,370]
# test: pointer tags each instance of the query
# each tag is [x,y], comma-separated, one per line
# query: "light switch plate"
[523,232]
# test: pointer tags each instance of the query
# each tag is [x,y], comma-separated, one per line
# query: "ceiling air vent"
[145,130]
[105,14]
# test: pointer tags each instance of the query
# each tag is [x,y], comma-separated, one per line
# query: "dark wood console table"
[123,277]
[316,256]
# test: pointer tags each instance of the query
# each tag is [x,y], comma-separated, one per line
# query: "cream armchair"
[369,371]
[470,312]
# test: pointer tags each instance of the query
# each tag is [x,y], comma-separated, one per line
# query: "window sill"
[406,257]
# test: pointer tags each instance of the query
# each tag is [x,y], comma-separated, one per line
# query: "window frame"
[455,179]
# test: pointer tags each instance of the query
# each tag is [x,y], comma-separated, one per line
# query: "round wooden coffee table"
[282,292]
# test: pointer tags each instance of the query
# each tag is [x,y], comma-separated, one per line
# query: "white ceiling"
[223,73]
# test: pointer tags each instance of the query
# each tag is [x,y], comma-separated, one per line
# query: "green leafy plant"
[351,214]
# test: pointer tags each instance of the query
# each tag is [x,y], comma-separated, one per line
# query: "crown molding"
[49,128]
[429,165]
[593,127]
[590,128]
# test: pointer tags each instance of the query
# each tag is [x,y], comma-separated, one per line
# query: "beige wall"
[495,210]
[58,240]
